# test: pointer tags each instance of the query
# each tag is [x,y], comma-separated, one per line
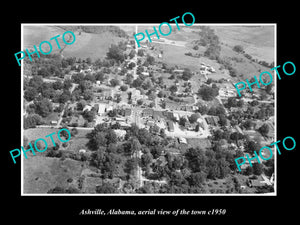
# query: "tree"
[100,76]
[187,74]
[131,65]
[194,117]
[137,82]
[115,53]
[156,151]
[146,159]
[58,85]
[257,169]
[89,115]
[36,82]
[32,120]
[90,77]
[182,121]
[64,97]
[74,131]
[207,93]
[238,48]
[81,104]
[56,147]
[196,159]
[252,146]
[269,88]
[128,78]
[248,124]
[264,129]
[43,107]
[30,93]
[135,145]
[131,165]
[109,165]
[88,60]
[139,102]
[67,84]
[150,59]
[173,89]
[140,52]
[249,170]
[124,88]
[114,82]
[147,84]
[197,179]
[222,120]
[235,136]
[110,136]
[131,54]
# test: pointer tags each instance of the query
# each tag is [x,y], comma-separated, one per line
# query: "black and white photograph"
[129,113]
[143,113]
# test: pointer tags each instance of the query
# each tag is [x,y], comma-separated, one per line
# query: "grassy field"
[86,44]
[76,143]
[91,45]
[35,133]
[258,41]
[79,141]
[43,173]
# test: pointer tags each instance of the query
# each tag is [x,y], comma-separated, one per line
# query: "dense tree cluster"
[117,31]
[208,93]
[116,52]
[210,40]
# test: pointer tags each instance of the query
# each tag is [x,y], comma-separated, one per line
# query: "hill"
[91,41]
[115,30]
[258,41]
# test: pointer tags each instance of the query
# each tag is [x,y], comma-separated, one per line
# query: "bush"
[124,88]
[238,48]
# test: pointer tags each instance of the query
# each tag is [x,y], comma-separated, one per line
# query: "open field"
[42,173]
[91,45]
[258,41]
[34,35]
[79,141]
[35,133]
[86,44]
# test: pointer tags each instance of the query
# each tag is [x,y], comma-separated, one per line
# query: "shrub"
[238,48]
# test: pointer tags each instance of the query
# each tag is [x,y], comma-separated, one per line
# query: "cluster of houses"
[167,119]
[206,69]
[212,120]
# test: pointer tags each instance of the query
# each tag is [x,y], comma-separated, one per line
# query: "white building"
[101,109]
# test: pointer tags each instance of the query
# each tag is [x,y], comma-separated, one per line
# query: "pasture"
[40,174]
[86,44]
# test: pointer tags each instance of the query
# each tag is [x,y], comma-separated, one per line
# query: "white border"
[152,24]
